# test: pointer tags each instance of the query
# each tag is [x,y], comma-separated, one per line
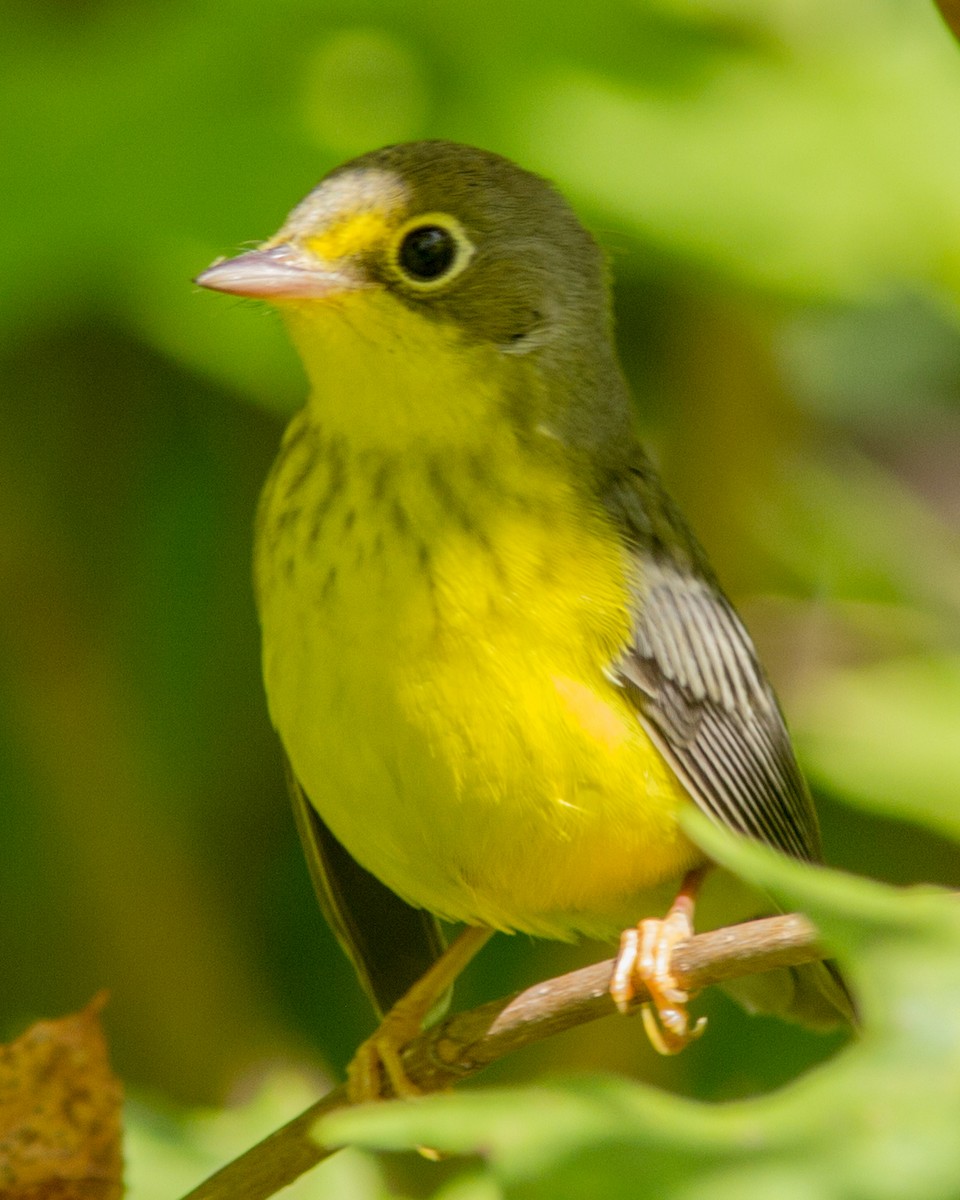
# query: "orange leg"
[376,1070]
[644,958]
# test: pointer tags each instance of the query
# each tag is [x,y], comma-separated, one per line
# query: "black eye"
[427,252]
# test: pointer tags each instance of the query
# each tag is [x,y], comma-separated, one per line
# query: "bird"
[498,660]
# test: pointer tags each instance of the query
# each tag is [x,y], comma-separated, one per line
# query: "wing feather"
[701,694]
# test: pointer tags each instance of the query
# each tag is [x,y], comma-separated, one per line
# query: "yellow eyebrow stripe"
[353,234]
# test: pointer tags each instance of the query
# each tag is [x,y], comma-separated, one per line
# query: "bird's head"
[431,249]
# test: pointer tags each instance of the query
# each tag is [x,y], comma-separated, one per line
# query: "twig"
[950,11]
[467,1042]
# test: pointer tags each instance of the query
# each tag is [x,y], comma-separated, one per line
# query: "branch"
[467,1042]
[950,11]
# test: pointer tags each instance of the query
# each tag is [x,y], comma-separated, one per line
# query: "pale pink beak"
[283,272]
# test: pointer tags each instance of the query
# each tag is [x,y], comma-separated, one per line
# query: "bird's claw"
[645,958]
[376,1070]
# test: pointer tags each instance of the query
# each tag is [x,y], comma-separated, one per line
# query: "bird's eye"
[431,250]
[427,252]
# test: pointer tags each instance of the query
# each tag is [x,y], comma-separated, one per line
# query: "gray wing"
[702,696]
[693,674]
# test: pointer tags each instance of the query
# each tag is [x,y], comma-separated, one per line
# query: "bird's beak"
[281,272]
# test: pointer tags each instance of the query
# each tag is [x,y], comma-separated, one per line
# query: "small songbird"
[497,658]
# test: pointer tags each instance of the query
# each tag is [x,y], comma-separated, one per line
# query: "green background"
[777,184]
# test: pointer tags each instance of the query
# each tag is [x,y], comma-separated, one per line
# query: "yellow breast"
[436,629]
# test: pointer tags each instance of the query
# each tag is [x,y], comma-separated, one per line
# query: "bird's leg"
[376,1070]
[644,957]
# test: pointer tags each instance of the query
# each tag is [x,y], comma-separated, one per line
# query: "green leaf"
[167,1155]
[878,1122]
[887,737]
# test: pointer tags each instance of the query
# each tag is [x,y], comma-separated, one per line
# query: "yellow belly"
[435,670]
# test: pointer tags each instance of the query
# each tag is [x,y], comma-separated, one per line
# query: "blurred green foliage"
[876,1123]
[778,186]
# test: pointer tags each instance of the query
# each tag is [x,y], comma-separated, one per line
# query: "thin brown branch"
[467,1042]
[950,11]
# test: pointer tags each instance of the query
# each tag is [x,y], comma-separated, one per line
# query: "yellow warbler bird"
[497,658]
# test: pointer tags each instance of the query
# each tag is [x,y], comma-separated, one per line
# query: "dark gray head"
[469,240]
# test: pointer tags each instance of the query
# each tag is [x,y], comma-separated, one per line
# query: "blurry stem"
[467,1042]
[950,11]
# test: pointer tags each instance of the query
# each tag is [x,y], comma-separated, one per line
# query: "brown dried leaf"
[60,1131]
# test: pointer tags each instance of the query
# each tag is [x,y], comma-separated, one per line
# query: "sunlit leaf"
[878,1121]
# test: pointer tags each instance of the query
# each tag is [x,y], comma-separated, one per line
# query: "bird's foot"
[645,959]
[376,1070]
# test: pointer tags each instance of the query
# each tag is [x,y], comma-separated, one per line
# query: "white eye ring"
[430,250]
